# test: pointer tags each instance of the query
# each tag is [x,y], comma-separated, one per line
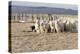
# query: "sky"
[35,4]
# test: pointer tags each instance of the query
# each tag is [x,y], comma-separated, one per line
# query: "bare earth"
[23,40]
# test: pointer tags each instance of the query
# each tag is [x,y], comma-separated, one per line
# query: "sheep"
[61,25]
[41,26]
[57,27]
[64,22]
[37,26]
[69,26]
[46,27]
[52,25]
[75,26]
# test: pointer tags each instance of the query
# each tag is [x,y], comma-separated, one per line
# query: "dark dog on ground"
[33,28]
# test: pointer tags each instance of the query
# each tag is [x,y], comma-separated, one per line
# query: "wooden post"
[32,18]
[24,17]
[20,16]
[15,16]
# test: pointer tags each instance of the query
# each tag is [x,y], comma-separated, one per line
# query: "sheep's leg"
[41,30]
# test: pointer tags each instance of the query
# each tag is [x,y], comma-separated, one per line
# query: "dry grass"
[25,41]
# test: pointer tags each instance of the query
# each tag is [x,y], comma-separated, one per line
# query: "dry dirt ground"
[22,40]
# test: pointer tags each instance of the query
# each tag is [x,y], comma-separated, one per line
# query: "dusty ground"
[22,40]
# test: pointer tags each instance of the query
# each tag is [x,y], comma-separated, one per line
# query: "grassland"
[23,40]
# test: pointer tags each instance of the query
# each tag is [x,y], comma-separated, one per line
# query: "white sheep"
[57,27]
[61,24]
[37,26]
[75,26]
[41,26]
[52,25]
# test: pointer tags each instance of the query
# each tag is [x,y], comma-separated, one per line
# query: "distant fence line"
[32,17]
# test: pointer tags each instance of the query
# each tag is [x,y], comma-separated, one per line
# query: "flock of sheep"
[55,25]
